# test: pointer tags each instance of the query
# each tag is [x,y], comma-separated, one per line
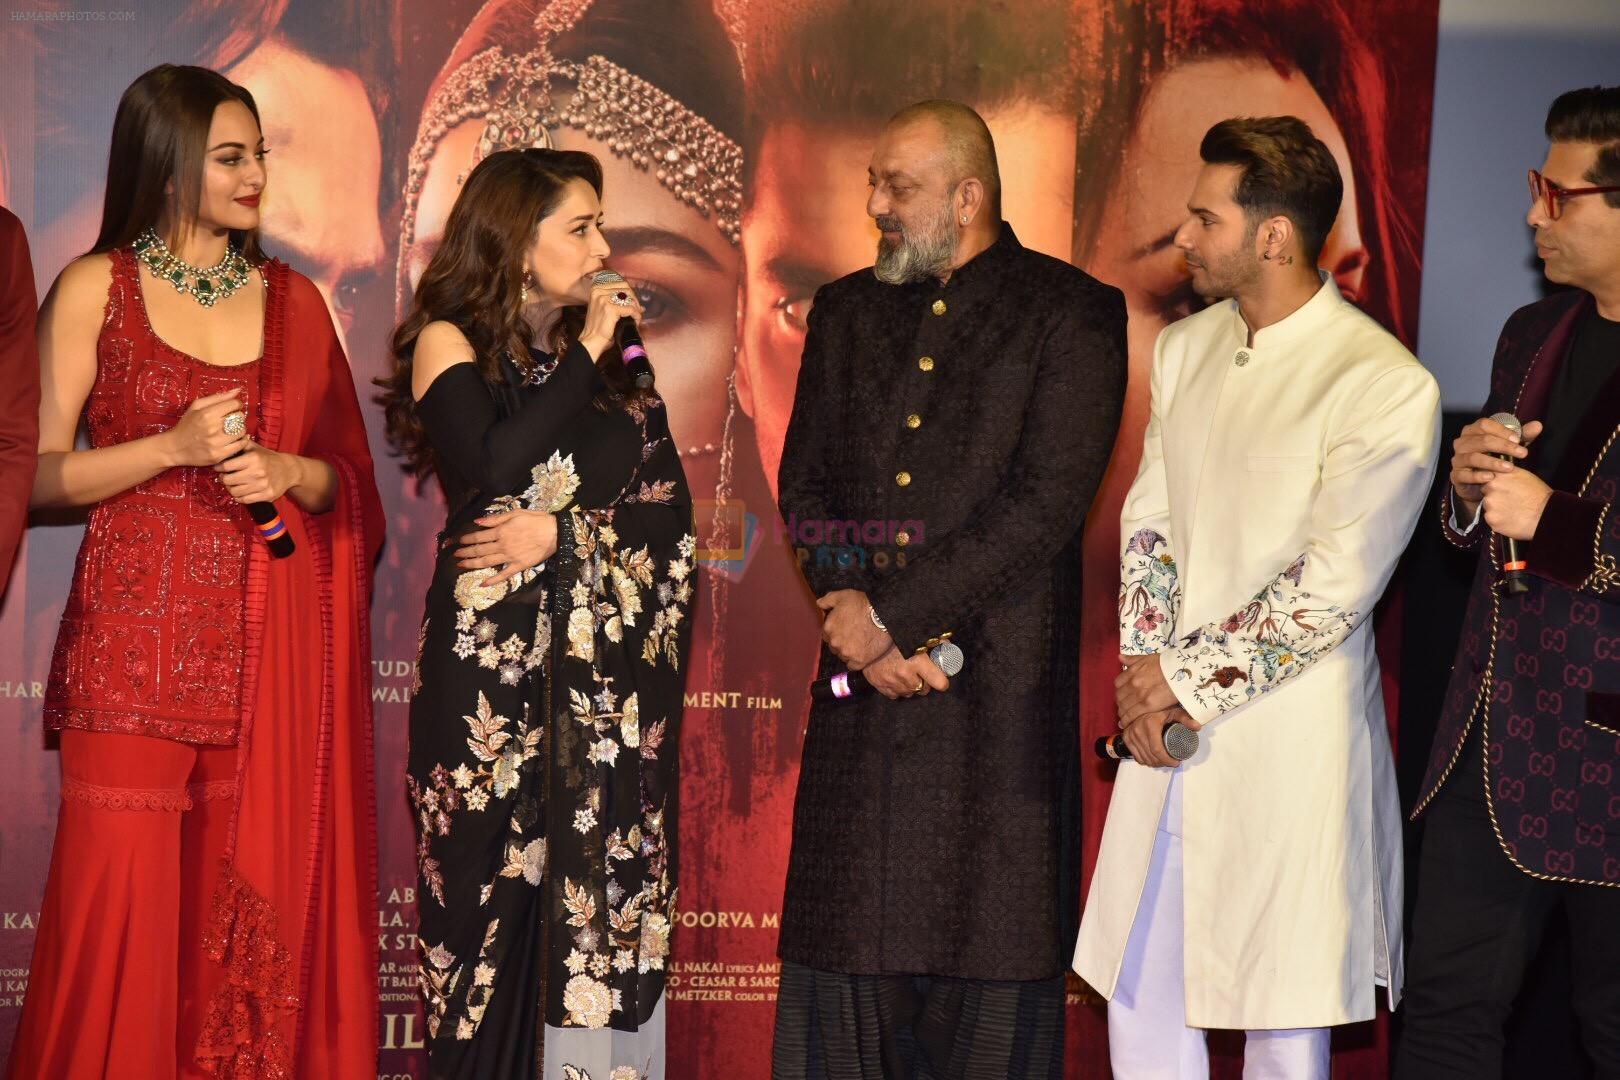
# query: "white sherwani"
[1279,483]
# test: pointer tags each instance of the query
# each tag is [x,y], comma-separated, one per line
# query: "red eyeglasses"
[1552,196]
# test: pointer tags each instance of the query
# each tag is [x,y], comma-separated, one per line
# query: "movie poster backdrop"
[374,109]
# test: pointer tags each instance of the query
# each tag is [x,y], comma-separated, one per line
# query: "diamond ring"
[235,424]
[621,299]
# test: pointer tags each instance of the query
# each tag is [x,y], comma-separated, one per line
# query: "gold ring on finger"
[235,424]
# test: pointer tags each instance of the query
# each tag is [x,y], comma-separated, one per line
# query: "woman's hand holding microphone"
[518,540]
[609,302]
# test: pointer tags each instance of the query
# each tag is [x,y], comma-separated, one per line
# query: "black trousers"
[1479,921]
[832,1026]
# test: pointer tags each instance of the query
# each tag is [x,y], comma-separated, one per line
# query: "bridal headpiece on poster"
[512,93]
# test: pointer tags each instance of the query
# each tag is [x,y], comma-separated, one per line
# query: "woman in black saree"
[543,729]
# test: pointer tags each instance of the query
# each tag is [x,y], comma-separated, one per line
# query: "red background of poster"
[355,75]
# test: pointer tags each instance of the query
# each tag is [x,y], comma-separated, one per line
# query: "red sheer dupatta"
[294,916]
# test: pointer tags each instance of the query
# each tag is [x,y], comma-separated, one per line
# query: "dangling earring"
[523,288]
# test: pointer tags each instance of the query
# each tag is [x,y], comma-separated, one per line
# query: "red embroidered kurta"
[152,637]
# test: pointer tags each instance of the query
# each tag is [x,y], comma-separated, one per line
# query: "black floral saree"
[543,734]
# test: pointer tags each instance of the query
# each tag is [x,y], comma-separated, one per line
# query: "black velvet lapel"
[1552,340]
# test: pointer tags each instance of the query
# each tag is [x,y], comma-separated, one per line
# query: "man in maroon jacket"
[1522,800]
[19,388]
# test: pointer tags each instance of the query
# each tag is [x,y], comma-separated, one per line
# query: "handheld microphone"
[1180,742]
[849,684]
[272,530]
[1513,568]
[627,336]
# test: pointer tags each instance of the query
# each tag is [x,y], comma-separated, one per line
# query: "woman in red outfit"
[211,903]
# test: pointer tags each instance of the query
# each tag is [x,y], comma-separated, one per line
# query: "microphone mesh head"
[1180,741]
[607,277]
[1509,421]
[948,657]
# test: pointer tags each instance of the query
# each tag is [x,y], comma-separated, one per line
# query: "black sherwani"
[972,421]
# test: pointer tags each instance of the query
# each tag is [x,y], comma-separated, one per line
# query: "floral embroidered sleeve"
[1149,592]
[1376,475]
[1149,586]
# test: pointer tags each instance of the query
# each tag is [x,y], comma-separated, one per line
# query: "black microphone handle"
[627,335]
[1513,570]
[854,684]
[1513,579]
[272,530]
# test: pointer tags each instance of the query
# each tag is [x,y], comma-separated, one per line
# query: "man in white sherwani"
[1290,447]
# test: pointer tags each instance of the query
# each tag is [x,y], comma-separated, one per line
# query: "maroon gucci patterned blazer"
[1541,671]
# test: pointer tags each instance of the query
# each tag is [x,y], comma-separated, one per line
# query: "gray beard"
[918,258]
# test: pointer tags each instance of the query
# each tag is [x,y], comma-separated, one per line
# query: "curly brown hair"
[475,282]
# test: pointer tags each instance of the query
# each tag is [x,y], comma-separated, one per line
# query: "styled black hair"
[1591,115]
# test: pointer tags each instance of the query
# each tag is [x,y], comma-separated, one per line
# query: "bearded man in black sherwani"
[954,414]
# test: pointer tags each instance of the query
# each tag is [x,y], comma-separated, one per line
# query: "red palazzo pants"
[119,983]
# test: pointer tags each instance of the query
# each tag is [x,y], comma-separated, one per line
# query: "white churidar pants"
[1148,1036]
